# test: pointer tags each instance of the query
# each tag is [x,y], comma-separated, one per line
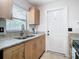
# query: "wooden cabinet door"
[43,43]
[31,16]
[38,47]
[34,16]
[0,7]
[5,9]
[37,16]
[30,50]
[7,54]
[15,55]
[22,53]
[16,52]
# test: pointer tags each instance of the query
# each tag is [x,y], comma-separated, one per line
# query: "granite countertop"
[75,38]
[9,42]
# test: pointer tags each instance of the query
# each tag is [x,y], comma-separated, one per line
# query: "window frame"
[18,19]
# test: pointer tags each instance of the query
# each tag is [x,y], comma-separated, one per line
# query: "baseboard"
[56,53]
[52,52]
[42,54]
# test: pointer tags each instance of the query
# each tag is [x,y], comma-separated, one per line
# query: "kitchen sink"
[24,37]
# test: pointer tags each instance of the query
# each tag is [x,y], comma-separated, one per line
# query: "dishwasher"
[1,54]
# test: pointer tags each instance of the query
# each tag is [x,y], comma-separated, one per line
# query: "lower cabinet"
[16,52]
[35,48]
[40,46]
[32,49]
[43,44]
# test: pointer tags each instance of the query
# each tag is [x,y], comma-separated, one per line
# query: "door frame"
[46,12]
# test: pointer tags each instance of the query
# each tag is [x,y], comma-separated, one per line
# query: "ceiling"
[40,2]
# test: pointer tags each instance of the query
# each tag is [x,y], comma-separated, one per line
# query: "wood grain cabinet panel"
[34,16]
[35,48]
[40,46]
[43,43]
[30,50]
[6,9]
[16,52]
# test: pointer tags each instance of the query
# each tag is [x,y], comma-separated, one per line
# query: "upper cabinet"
[5,9]
[34,16]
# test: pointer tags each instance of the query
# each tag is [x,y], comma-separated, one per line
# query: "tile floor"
[48,55]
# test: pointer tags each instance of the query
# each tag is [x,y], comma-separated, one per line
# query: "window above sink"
[19,18]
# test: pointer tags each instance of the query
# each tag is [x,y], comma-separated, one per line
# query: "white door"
[57,30]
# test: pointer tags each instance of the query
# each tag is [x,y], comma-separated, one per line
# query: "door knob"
[48,33]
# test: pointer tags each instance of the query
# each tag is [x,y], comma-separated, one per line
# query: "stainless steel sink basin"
[24,37]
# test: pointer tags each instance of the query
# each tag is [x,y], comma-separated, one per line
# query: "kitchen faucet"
[22,30]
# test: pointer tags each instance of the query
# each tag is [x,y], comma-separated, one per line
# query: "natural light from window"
[19,16]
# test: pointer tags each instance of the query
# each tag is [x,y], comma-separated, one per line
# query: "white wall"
[74,15]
